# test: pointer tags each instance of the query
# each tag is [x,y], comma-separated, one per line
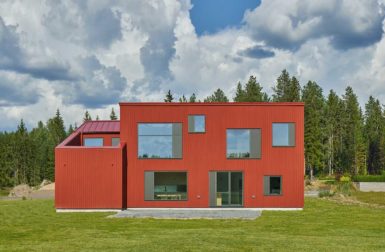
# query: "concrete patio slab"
[233,213]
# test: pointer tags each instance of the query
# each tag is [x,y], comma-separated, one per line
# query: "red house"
[185,155]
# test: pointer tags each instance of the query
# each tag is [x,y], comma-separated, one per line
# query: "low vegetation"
[369,178]
[33,225]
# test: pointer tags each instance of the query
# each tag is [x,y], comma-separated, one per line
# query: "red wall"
[89,177]
[207,152]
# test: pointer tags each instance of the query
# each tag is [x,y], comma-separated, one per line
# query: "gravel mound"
[22,190]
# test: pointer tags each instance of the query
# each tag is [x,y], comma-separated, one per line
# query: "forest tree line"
[28,157]
[340,136]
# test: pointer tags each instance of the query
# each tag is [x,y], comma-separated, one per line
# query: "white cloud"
[78,55]
[289,24]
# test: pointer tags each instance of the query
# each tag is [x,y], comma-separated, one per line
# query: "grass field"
[370,197]
[33,225]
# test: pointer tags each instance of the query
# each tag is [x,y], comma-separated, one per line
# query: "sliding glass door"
[226,189]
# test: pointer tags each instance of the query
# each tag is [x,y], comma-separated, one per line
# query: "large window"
[165,186]
[93,142]
[196,124]
[160,140]
[283,134]
[243,143]
[272,185]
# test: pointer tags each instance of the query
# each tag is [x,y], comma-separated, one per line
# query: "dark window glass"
[160,140]
[283,134]
[93,142]
[273,185]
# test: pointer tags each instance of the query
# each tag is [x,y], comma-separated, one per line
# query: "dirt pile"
[47,187]
[20,191]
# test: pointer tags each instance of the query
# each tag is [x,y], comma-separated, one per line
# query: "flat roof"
[211,103]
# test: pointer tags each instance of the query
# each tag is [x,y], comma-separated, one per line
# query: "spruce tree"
[294,90]
[169,97]
[287,89]
[374,132]
[253,91]
[97,118]
[70,130]
[280,89]
[56,133]
[352,158]
[87,117]
[332,114]
[113,116]
[218,96]
[314,110]
[183,99]
[240,93]
[192,98]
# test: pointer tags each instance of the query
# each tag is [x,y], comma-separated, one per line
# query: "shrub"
[345,188]
[345,179]
[325,193]
[369,178]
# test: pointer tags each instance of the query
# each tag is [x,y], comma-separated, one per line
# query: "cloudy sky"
[77,55]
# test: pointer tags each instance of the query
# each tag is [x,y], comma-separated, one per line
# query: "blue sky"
[210,16]
[78,55]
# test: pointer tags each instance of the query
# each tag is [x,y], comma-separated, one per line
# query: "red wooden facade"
[113,177]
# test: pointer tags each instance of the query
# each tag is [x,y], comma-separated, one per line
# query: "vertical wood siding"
[207,152]
[89,177]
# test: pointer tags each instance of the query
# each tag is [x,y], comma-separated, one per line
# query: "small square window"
[196,124]
[272,185]
[283,134]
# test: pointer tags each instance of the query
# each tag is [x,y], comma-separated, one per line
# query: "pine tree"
[23,154]
[113,116]
[87,117]
[352,137]
[192,98]
[314,110]
[40,136]
[218,96]
[253,91]
[70,130]
[374,132]
[240,93]
[294,90]
[280,89]
[56,134]
[183,99]
[169,97]
[332,115]
[287,89]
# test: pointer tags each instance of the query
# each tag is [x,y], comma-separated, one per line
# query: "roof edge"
[211,103]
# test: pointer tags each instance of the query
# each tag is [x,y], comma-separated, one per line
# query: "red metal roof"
[100,127]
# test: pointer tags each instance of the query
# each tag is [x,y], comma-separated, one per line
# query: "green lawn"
[4,192]
[33,225]
[371,197]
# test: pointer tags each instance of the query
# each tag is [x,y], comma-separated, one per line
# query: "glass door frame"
[213,188]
